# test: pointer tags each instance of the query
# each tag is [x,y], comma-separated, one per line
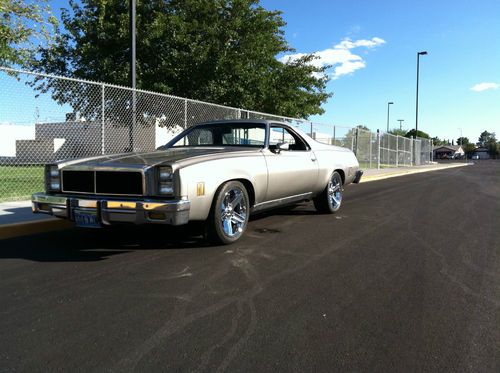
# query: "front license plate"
[86,219]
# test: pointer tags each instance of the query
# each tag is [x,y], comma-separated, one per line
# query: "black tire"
[330,199]
[228,220]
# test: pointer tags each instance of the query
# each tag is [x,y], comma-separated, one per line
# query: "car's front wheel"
[228,218]
[330,199]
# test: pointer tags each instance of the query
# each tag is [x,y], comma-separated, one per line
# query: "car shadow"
[86,245]
[301,209]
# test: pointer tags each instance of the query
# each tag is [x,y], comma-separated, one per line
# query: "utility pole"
[400,121]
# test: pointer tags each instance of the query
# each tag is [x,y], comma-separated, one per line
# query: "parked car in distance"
[216,172]
[475,156]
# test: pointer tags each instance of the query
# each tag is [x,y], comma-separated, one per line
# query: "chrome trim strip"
[44,198]
[87,203]
[281,201]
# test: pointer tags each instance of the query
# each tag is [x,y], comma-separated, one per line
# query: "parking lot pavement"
[404,278]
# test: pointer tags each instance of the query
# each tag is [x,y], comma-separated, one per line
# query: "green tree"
[485,138]
[413,133]
[398,132]
[462,141]
[437,141]
[24,27]
[218,51]
[493,148]
[469,149]
[349,140]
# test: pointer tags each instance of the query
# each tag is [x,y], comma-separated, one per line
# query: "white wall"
[9,133]
[165,134]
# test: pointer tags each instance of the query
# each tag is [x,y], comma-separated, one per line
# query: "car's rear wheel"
[330,199]
[228,218]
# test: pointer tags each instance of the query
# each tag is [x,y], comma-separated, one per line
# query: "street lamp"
[416,105]
[400,121]
[388,106]
[132,6]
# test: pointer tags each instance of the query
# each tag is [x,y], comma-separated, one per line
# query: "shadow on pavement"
[86,245]
[83,245]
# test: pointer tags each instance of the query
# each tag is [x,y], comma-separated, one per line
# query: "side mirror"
[282,146]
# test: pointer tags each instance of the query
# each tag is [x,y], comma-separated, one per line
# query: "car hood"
[170,156]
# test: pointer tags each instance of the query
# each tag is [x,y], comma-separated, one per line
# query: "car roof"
[243,121]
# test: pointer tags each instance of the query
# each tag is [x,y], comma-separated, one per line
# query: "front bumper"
[357,178]
[113,211]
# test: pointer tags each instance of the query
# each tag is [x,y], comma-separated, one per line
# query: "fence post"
[103,113]
[370,149]
[397,150]
[404,151]
[388,148]
[357,138]
[185,113]
[311,131]
[333,143]
[412,145]
[378,150]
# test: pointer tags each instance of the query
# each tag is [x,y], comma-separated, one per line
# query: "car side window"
[196,138]
[280,134]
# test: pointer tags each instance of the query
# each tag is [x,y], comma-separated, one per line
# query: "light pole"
[416,104]
[400,125]
[388,106]
[132,73]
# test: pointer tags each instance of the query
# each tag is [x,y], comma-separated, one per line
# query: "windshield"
[224,134]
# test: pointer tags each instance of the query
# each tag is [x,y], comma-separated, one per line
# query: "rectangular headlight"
[54,172]
[165,180]
[165,173]
[167,188]
[53,178]
[55,185]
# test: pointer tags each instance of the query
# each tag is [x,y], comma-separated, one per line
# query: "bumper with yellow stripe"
[113,211]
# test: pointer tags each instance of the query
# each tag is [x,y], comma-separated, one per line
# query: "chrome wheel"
[233,212]
[334,191]
[330,199]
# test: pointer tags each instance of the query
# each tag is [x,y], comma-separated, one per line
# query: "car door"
[290,172]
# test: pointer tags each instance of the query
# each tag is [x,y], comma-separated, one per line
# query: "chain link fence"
[44,118]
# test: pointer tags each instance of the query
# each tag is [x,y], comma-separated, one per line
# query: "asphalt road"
[404,278]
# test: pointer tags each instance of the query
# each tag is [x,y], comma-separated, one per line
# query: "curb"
[32,227]
[409,172]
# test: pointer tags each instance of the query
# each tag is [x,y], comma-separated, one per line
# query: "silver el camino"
[217,172]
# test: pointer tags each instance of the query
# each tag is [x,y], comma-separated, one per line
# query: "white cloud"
[485,86]
[340,57]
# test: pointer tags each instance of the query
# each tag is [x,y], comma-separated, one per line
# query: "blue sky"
[462,39]
[373,46]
